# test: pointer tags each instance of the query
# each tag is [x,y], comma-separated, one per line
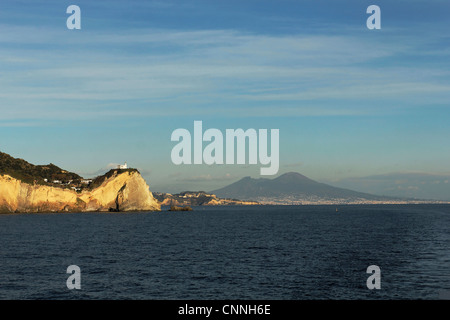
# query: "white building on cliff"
[122,166]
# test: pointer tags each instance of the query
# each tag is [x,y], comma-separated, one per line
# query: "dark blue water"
[267,252]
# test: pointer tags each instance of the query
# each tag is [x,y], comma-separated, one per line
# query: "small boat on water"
[336,209]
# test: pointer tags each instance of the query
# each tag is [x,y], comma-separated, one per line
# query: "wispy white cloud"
[159,72]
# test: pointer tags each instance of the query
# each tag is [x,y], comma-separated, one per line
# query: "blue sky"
[349,102]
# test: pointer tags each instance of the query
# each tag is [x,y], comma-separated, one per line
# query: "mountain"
[25,187]
[293,188]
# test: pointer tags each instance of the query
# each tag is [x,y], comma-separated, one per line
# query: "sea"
[230,252]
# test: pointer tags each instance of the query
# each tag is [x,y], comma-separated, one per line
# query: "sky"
[349,102]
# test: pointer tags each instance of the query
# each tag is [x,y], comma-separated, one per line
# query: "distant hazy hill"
[292,185]
[414,185]
[27,172]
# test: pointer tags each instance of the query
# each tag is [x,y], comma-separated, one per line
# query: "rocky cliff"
[118,191]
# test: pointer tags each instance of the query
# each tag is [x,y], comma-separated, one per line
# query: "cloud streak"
[153,70]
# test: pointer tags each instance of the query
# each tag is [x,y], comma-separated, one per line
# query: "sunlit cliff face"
[126,191]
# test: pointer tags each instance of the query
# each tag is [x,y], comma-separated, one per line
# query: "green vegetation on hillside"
[51,175]
[32,174]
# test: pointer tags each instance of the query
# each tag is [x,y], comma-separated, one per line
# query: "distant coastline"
[293,188]
[29,188]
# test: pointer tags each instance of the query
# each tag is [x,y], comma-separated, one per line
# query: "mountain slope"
[413,185]
[292,185]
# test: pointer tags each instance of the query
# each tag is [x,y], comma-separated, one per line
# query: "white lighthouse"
[122,166]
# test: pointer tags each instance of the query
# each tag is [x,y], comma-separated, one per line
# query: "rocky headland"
[28,188]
